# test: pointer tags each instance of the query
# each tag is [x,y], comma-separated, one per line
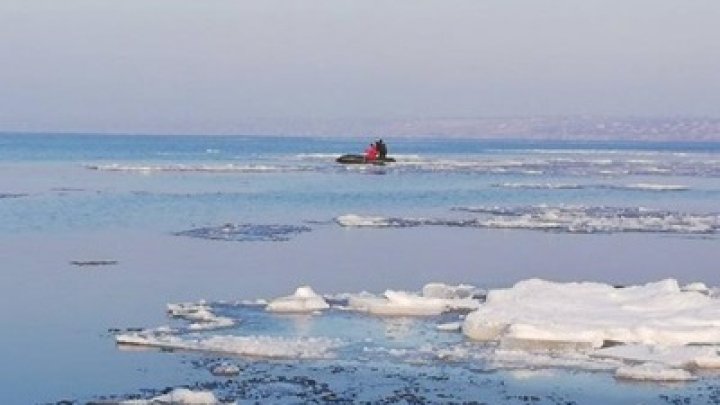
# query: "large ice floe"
[594,313]
[571,219]
[656,331]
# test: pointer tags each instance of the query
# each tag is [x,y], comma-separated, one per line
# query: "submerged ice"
[246,232]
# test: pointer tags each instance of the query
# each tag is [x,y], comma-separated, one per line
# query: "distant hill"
[545,127]
[573,127]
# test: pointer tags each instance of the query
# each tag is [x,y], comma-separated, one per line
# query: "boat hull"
[360,159]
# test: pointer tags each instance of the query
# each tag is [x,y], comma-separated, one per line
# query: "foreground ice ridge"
[435,298]
[571,219]
[658,331]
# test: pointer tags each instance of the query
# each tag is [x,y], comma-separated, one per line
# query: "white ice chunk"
[657,187]
[697,286]
[403,303]
[654,313]
[225,369]
[303,300]
[179,396]
[653,372]
[352,220]
[449,326]
[200,316]
[441,290]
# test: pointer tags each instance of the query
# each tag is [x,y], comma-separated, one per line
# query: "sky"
[197,66]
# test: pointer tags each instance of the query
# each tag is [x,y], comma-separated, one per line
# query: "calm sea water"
[67,198]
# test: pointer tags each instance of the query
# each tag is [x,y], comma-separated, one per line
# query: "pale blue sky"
[211,65]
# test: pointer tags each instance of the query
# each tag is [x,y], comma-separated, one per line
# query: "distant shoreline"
[590,141]
[571,128]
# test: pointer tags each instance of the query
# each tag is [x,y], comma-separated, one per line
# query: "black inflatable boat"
[360,159]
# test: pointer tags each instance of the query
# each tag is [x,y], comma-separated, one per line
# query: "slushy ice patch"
[570,219]
[565,186]
[199,168]
[584,219]
[246,232]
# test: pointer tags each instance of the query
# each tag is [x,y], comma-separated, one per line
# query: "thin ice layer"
[687,357]
[653,372]
[253,346]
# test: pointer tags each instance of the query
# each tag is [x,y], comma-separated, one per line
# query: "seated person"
[371,153]
[381,149]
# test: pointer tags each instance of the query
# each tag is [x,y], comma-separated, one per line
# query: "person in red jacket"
[371,153]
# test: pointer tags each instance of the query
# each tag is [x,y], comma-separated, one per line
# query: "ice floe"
[571,219]
[582,219]
[225,369]
[653,372]
[656,331]
[246,232]
[697,286]
[251,346]
[593,313]
[199,315]
[198,168]
[678,356]
[570,186]
[303,300]
[540,186]
[178,396]
[656,187]
[435,299]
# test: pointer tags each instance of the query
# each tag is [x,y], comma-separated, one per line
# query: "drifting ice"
[304,300]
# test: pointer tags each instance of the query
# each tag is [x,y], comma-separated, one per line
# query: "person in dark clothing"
[381,148]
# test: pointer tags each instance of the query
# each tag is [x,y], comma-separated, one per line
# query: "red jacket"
[371,153]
